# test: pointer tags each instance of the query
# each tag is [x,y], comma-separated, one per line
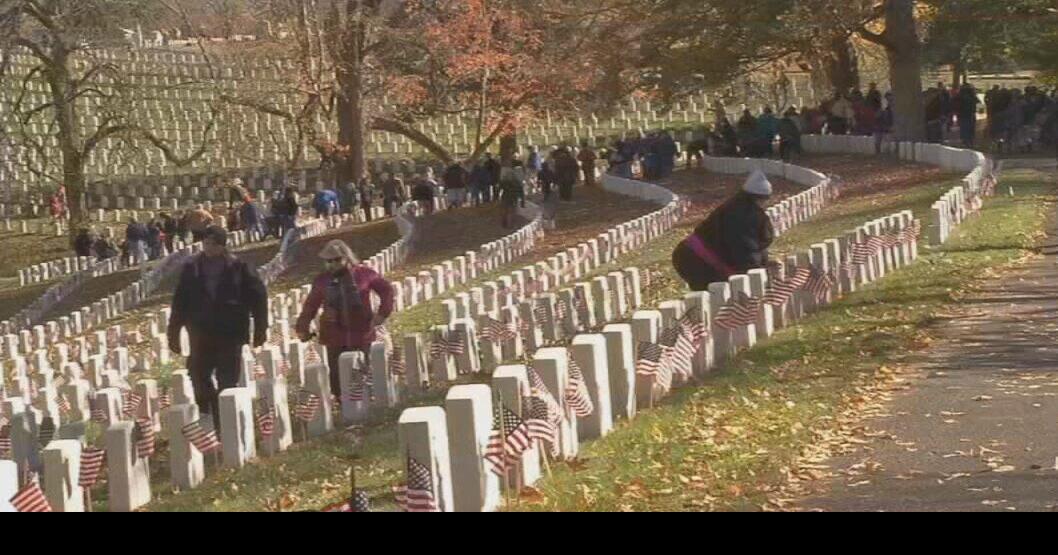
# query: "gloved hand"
[260,337]
[175,348]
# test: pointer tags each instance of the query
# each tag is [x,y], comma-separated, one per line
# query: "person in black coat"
[82,244]
[733,240]
[214,300]
[566,172]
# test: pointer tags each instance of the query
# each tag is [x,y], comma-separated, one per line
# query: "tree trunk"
[844,65]
[508,147]
[351,99]
[904,48]
[69,137]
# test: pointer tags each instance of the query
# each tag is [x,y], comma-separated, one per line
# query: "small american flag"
[543,415]
[509,439]
[92,461]
[5,441]
[165,400]
[64,405]
[741,311]
[911,233]
[561,309]
[819,284]
[359,503]
[46,432]
[99,413]
[205,441]
[650,359]
[31,499]
[266,419]
[361,388]
[454,344]
[132,405]
[540,311]
[577,397]
[397,366]
[308,407]
[417,495]
[495,331]
[312,356]
[145,438]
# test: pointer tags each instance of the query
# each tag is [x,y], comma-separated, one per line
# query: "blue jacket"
[324,199]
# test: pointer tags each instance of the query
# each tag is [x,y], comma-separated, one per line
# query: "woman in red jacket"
[344,292]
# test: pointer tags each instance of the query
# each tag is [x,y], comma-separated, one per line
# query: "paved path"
[979,429]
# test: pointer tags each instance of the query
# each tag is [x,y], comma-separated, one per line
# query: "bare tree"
[90,102]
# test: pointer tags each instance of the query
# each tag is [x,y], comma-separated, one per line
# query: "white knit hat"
[758,184]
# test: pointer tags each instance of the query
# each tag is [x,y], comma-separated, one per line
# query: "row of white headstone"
[956,204]
[387,392]
[451,440]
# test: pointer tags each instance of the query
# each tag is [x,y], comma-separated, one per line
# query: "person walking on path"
[215,299]
[392,193]
[789,135]
[587,158]
[344,291]
[566,171]
[967,106]
[455,179]
[512,191]
[733,240]
[326,203]
[198,220]
[365,195]
[82,243]
[136,237]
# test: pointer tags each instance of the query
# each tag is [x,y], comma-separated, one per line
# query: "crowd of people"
[1019,120]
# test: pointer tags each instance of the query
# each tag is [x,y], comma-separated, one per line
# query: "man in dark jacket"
[214,300]
[82,244]
[136,237]
[731,241]
[566,173]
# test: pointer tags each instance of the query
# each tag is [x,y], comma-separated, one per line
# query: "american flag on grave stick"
[911,233]
[496,331]
[577,396]
[205,441]
[454,344]
[543,414]
[64,405]
[91,467]
[165,399]
[5,441]
[540,311]
[308,406]
[508,440]
[819,284]
[362,388]
[359,503]
[31,499]
[561,309]
[131,405]
[47,430]
[265,418]
[651,363]
[416,496]
[313,356]
[740,311]
[145,438]
[397,366]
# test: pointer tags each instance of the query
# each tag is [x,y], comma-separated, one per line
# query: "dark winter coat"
[735,238]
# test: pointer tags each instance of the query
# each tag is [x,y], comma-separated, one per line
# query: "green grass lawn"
[313,475]
[731,442]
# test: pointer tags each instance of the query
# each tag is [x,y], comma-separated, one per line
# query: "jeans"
[210,357]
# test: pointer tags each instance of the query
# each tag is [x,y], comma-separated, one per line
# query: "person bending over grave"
[214,300]
[731,241]
[349,320]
